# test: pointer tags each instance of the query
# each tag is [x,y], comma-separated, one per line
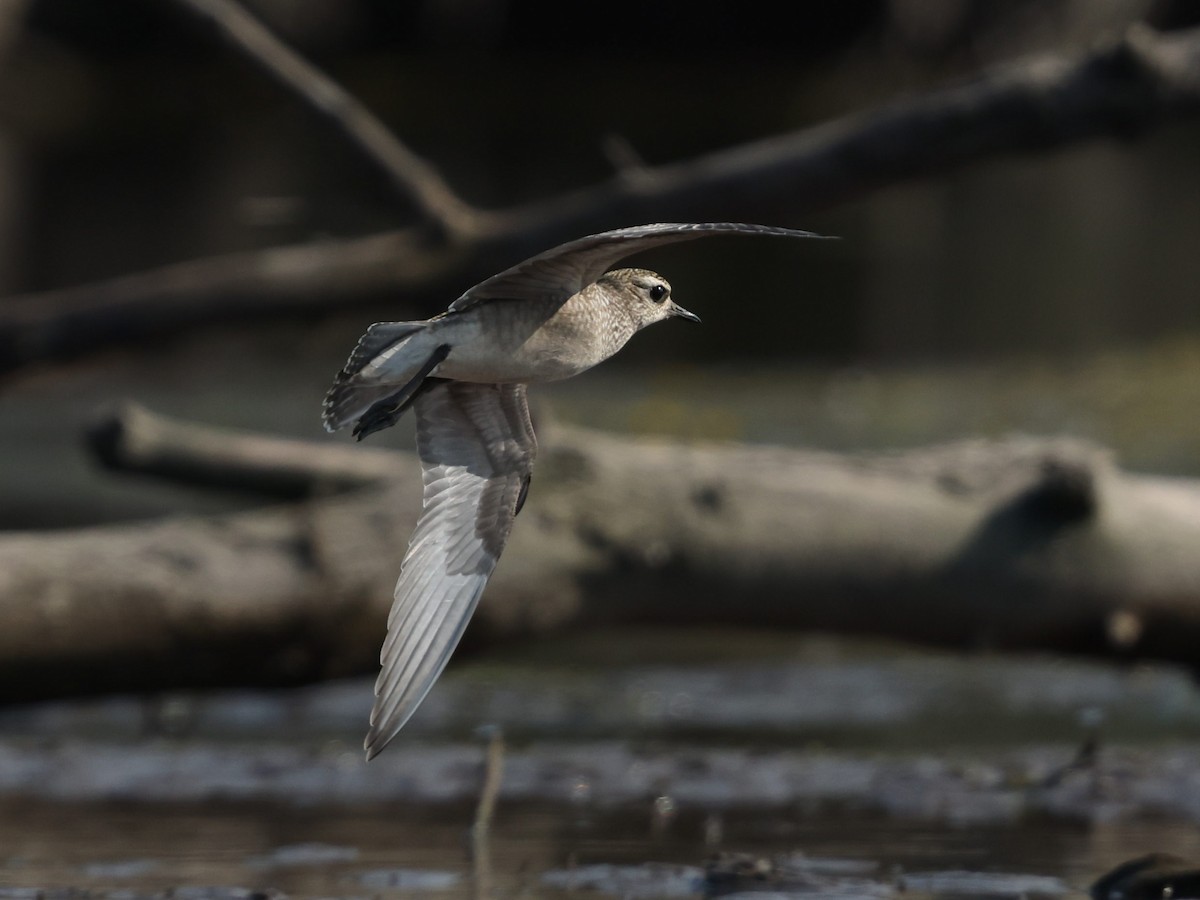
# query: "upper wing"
[477,448]
[567,268]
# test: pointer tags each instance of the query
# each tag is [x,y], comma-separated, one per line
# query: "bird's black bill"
[684,314]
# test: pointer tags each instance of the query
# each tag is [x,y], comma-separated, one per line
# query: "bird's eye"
[658,293]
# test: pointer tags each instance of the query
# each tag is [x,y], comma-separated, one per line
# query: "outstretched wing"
[477,447]
[567,268]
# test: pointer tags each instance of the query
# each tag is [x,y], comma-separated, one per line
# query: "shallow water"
[541,850]
[885,769]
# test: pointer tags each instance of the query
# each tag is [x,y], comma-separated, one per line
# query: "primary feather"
[465,373]
[477,447]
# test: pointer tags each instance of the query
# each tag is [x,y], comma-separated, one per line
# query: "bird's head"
[646,295]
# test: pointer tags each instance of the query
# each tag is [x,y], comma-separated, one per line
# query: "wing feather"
[477,448]
[564,270]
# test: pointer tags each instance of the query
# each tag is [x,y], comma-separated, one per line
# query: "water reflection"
[721,764]
[550,851]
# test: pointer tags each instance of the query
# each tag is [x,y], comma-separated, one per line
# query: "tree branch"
[132,439]
[1023,543]
[412,177]
[1140,82]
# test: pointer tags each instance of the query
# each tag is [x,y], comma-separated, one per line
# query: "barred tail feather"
[346,401]
[354,391]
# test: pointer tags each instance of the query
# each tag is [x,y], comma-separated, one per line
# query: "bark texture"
[1023,543]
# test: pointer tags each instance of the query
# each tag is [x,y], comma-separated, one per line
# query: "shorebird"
[465,372]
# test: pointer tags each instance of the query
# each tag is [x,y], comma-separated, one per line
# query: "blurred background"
[1047,293]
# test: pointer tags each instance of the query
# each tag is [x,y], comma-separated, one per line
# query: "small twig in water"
[493,775]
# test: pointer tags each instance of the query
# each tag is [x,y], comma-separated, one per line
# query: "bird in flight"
[464,373]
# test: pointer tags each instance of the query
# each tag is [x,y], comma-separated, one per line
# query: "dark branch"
[1124,89]
[414,179]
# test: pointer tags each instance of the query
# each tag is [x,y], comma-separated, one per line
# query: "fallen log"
[1020,543]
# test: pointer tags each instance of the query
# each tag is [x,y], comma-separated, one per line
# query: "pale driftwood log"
[130,438]
[1142,81]
[1025,543]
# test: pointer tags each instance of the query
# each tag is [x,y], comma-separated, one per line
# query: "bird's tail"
[383,364]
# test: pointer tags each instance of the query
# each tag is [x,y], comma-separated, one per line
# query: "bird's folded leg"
[524,493]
